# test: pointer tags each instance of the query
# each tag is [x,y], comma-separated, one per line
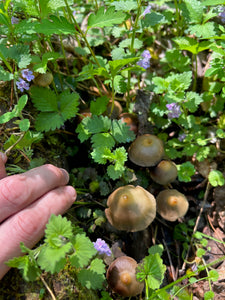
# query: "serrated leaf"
[192,101]
[212,2]
[96,124]
[216,178]
[193,10]
[152,270]
[190,44]
[121,132]
[101,154]
[104,138]
[46,121]
[152,19]
[185,171]
[120,85]
[125,5]
[156,249]
[213,275]
[84,251]
[93,277]
[55,25]
[44,99]
[83,134]
[56,230]
[68,104]
[104,18]
[99,106]
[206,30]
[209,295]
[114,174]
[127,42]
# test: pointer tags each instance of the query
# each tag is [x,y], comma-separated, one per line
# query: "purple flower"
[222,15]
[101,246]
[174,110]
[22,85]
[145,62]
[181,137]
[14,20]
[146,11]
[74,13]
[27,74]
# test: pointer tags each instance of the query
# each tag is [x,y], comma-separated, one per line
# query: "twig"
[48,288]
[170,261]
[11,147]
[196,224]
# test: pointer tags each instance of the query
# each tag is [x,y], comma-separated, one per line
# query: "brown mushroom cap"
[117,109]
[131,120]
[164,173]
[43,80]
[171,204]
[131,208]
[146,151]
[121,277]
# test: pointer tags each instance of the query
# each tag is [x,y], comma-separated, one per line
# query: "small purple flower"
[14,20]
[145,62]
[222,15]
[146,11]
[74,13]
[27,74]
[174,110]
[101,246]
[22,85]
[181,137]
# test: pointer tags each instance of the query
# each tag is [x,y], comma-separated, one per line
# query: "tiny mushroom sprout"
[131,208]
[171,204]
[121,277]
[164,173]
[146,150]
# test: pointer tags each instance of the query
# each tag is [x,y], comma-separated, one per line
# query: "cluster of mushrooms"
[132,208]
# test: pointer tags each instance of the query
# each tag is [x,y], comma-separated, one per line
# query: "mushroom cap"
[164,173]
[131,208]
[131,120]
[121,277]
[171,204]
[146,150]
[117,109]
[43,80]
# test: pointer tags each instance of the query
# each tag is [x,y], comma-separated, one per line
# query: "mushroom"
[43,80]
[131,120]
[171,204]
[131,208]
[146,150]
[116,111]
[164,173]
[121,277]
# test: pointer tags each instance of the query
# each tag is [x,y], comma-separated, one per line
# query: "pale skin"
[26,203]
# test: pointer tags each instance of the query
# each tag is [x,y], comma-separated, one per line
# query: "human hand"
[26,203]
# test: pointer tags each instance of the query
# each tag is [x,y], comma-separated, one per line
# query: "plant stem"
[177,17]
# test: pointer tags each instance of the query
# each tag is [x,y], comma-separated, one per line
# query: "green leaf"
[93,277]
[57,229]
[156,249]
[212,2]
[105,18]
[104,138]
[192,101]
[127,42]
[152,19]
[5,75]
[84,251]
[206,30]
[99,106]
[193,11]
[200,252]
[96,124]
[185,171]
[44,99]
[24,124]
[46,121]
[152,270]
[120,85]
[121,132]
[68,104]
[209,295]
[29,138]
[190,44]
[101,154]
[49,56]
[125,5]
[55,25]
[216,178]
[213,275]
[117,65]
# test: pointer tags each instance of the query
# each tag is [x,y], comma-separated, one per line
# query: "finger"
[28,225]
[18,191]
[3,159]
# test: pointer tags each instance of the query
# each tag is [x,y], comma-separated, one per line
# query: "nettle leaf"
[5,75]
[104,138]
[120,85]
[179,82]
[47,121]
[57,229]
[96,124]
[125,5]
[206,30]
[55,25]
[185,171]
[152,270]
[190,44]
[193,11]
[93,277]
[192,101]
[104,18]
[216,178]
[152,19]
[99,106]
[68,104]
[101,154]
[84,251]
[121,132]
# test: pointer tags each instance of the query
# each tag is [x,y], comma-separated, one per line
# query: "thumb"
[3,159]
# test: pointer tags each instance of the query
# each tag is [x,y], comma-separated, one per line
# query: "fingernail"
[3,157]
[66,174]
[71,190]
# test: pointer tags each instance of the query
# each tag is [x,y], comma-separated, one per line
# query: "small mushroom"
[171,204]
[114,112]
[121,277]
[131,208]
[146,150]
[43,80]
[164,173]
[131,120]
